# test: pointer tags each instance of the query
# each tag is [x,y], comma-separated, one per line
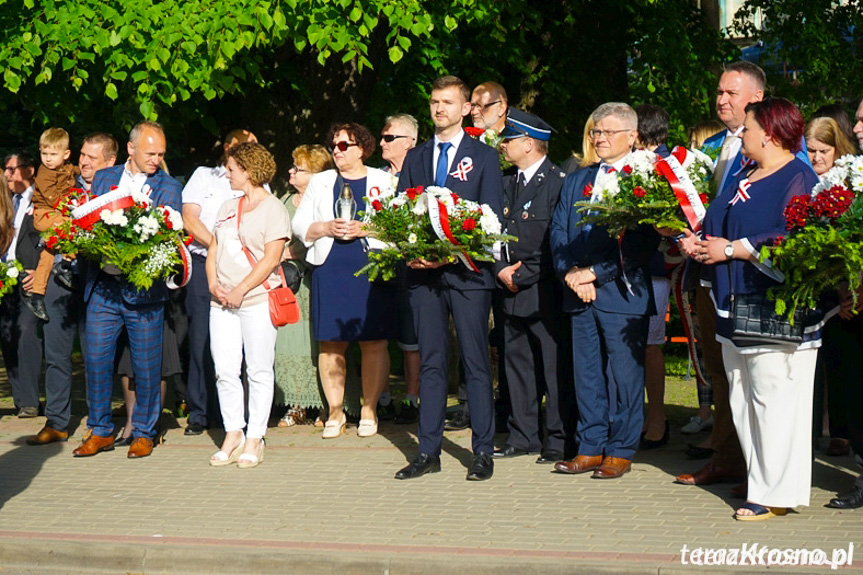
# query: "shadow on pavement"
[21,465]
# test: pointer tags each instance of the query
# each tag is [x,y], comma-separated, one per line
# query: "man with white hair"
[397,138]
[608,296]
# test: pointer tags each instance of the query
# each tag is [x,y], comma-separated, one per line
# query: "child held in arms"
[53,180]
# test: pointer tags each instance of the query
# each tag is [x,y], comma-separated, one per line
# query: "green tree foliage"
[288,68]
[675,62]
[813,48]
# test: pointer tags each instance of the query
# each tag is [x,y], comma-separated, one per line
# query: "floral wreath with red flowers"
[430,223]
[823,247]
[123,231]
[665,193]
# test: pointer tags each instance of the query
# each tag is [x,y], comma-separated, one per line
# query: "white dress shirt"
[132,181]
[24,206]
[450,153]
[208,188]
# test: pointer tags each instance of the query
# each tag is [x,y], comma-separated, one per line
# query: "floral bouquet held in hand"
[824,244]
[429,223]
[667,192]
[125,233]
[491,138]
[9,272]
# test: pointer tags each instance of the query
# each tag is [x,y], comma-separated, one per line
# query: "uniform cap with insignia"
[520,124]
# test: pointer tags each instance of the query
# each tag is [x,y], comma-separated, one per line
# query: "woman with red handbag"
[248,239]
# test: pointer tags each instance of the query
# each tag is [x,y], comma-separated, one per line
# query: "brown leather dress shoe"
[93,445]
[581,464]
[612,468]
[48,435]
[141,447]
[708,475]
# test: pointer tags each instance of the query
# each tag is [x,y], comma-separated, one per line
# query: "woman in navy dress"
[771,384]
[346,308]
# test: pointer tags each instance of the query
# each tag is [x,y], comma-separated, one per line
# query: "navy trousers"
[201,396]
[66,310]
[107,313]
[608,364]
[531,364]
[22,349]
[432,305]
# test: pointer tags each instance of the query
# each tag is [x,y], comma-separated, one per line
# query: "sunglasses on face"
[388,138]
[342,146]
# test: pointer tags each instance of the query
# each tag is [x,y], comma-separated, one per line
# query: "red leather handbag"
[283,305]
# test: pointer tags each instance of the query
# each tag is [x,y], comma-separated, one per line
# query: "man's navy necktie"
[442,164]
[17,202]
[519,184]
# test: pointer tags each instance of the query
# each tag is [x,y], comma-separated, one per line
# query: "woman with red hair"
[771,381]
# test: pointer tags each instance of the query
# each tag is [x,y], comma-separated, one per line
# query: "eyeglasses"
[608,134]
[342,146]
[391,137]
[484,106]
[297,169]
[11,168]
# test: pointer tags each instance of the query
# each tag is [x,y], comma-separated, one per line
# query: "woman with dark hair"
[249,238]
[346,308]
[771,383]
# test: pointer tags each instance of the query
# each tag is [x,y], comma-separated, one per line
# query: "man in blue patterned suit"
[608,295]
[437,288]
[112,303]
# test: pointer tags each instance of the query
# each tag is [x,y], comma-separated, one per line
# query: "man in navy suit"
[440,288]
[607,292]
[740,84]
[112,303]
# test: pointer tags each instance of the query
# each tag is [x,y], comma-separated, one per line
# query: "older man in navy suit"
[440,288]
[607,292]
[112,303]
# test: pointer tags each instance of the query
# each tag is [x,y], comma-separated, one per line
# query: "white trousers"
[771,402]
[234,332]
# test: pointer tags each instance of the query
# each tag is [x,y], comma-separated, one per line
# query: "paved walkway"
[316,506]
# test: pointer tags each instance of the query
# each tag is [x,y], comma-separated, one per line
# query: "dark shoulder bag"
[756,320]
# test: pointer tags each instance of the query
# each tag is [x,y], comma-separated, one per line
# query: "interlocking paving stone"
[333,506]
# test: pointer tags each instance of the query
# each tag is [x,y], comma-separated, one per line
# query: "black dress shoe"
[408,413]
[696,452]
[36,303]
[195,429]
[510,451]
[64,274]
[654,443]
[424,463]
[386,412]
[481,467]
[850,500]
[459,421]
[550,457]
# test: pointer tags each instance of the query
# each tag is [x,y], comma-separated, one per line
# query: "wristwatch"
[592,270]
[729,250]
